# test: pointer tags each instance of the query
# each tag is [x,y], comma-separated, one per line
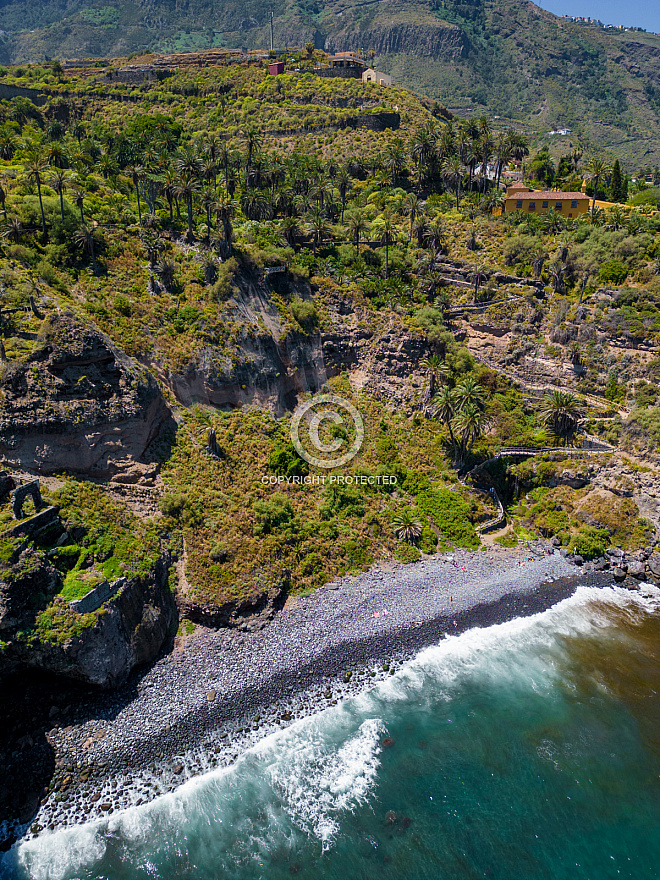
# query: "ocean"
[528,750]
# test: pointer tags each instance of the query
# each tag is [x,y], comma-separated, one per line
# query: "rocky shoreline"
[219,692]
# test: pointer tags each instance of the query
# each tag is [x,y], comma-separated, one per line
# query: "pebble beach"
[216,693]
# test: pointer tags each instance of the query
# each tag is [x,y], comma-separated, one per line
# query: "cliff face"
[273,365]
[129,631]
[433,40]
[78,404]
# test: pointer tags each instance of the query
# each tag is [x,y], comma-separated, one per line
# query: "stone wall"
[378,121]
[98,596]
[34,524]
[342,72]
[8,92]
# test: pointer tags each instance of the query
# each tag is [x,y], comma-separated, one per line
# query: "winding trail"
[545,389]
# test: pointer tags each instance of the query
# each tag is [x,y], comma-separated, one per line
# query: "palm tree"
[436,366]
[56,155]
[386,228]
[167,272]
[252,140]
[317,227]
[519,148]
[596,169]
[255,205]
[290,229]
[453,173]
[225,160]
[485,149]
[225,209]
[210,269]
[616,218]
[13,230]
[468,393]
[58,181]
[469,422]
[188,162]
[503,154]
[422,148]
[84,239]
[3,196]
[78,131]
[169,185]
[343,181]
[406,527]
[107,166]
[435,234]
[477,276]
[394,160]
[136,172]
[207,200]
[444,408]
[36,168]
[79,194]
[357,226]
[557,270]
[437,370]
[576,155]
[421,229]
[186,189]
[412,206]
[8,143]
[540,256]
[213,146]
[153,244]
[562,412]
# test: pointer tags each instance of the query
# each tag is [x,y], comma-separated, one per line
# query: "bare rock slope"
[78,404]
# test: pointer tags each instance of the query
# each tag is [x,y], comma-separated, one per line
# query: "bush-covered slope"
[506,56]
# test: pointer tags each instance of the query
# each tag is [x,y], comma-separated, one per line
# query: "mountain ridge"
[507,58]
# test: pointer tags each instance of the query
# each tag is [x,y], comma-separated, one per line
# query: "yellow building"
[569,204]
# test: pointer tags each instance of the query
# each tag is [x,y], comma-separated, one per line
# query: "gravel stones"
[198,708]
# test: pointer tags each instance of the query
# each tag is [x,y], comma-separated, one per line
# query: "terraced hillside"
[506,57]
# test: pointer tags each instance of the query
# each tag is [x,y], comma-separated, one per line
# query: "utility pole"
[271,30]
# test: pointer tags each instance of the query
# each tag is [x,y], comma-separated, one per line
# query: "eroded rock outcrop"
[273,365]
[78,404]
[98,649]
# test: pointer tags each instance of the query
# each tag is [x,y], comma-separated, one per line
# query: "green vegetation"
[153,213]
[510,60]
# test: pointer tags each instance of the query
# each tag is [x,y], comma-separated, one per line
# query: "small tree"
[406,527]
[562,412]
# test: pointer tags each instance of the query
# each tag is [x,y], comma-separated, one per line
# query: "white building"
[375,76]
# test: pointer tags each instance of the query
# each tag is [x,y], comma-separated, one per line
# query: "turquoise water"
[526,751]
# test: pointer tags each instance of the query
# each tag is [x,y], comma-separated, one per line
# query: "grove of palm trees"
[156,214]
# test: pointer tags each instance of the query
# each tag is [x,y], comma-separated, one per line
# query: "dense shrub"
[613,272]
[272,515]
[285,461]
[590,542]
[407,552]
[451,515]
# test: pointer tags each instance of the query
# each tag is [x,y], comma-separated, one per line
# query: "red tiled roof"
[519,185]
[550,196]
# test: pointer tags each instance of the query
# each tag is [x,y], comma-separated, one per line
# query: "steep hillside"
[504,56]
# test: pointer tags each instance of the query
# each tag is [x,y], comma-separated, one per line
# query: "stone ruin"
[19,495]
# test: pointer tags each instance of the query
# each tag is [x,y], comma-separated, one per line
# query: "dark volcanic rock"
[78,404]
[32,575]
[251,613]
[129,630]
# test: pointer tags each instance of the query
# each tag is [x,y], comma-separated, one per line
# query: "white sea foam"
[318,785]
[524,648]
[304,778]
